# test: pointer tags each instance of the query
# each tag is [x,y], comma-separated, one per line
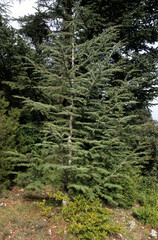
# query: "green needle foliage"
[8,140]
[89,135]
[83,82]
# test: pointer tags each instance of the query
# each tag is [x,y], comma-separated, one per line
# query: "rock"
[3,204]
[132,224]
[64,203]
[50,232]
[21,190]
[153,233]
[121,237]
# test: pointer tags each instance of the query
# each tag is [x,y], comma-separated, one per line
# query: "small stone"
[3,204]
[64,203]
[21,190]
[153,233]
[50,232]
[121,237]
[132,224]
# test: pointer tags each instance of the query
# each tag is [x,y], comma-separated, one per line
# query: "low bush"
[43,205]
[147,214]
[89,220]
[148,198]
[148,195]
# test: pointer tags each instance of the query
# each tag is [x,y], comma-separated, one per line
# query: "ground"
[21,218]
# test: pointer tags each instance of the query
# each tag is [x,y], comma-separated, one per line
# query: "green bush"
[46,209]
[148,198]
[129,193]
[128,181]
[148,194]
[148,214]
[89,220]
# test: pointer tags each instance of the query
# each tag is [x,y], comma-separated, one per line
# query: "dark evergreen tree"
[89,91]
[35,27]
[8,139]
[138,30]
[15,79]
[89,135]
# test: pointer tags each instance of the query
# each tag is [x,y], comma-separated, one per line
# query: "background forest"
[76,83]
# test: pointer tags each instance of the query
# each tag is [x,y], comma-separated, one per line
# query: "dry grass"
[21,219]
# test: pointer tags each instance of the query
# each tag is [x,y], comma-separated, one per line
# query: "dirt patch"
[21,219]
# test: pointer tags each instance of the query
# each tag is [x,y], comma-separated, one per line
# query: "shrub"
[128,182]
[148,198]
[46,209]
[88,219]
[148,214]
[148,194]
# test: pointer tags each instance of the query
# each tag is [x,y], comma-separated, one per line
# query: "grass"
[22,219]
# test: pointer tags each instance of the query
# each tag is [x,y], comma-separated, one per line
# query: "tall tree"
[85,97]
[138,29]
[8,140]
[15,79]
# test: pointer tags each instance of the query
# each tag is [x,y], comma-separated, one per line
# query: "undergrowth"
[148,199]
[86,218]
[147,214]
[89,220]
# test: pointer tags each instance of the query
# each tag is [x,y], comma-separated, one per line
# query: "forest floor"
[21,218]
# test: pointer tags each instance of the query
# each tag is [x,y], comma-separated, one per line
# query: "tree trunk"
[72,103]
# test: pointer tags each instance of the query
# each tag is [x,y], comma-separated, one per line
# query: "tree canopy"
[83,75]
